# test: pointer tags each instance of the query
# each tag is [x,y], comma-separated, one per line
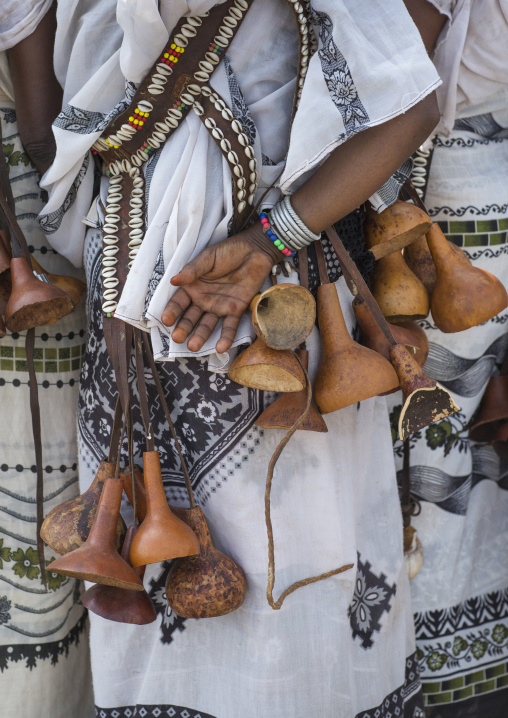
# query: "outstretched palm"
[219,282]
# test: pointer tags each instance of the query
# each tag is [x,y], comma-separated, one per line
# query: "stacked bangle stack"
[267,229]
[288,226]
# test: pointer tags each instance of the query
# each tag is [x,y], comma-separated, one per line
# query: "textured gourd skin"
[260,367]
[68,525]
[209,584]
[394,228]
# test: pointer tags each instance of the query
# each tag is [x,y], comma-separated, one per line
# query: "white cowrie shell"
[109,307]
[420,161]
[135,202]
[154,143]
[134,244]
[137,192]
[100,144]
[418,181]
[110,282]
[243,139]
[162,127]
[198,109]
[221,41]
[226,31]
[230,22]
[250,199]
[196,21]
[241,183]
[419,171]
[172,122]
[194,89]
[236,126]
[233,158]
[115,180]
[252,188]
[126,166]
[142,156]
[242,4]
[234,12]
[217,133]
[188,30]
[206,91]
[241,194]
[145,106]
[206,66]
[173,112]
[181,40]
[155,89]
[112,218]
[241,207]
[113,169]
[163,69]
[212,58]
[249,151]
[238,170]
[210,123]
[253,165]
[135,212]
[112,208]
[225,145]
[188,99]
[107,239]
[110,294]
[202,76]
[158,79]
[114,197]
[227,114]
[136,223]
[109,263]
[138,181]
[159,136]
[136,161]
[253,176]
[110,230]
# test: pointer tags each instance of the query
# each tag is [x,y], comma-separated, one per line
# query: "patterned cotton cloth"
[44,660]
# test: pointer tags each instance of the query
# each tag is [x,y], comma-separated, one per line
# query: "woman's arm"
[37,94]
[221,280]
[428,20]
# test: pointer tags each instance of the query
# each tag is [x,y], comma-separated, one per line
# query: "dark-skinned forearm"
[37,94]
[358,168]
[428,20]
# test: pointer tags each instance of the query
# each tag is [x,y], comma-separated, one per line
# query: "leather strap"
[143,400]
[321,262]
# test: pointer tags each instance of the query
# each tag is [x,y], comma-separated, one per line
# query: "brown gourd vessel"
[126,477]
[98,559]
[400,294]
[267,369]
[121,604]
[283,315]
[162,536]
[68,525]
[5,252]
[408,333]
[209,584]
[419,259]
[394,228]
[287,409]
[33,303]
[348,372]
[493,413]
[425,402]
[74,288]
[464,296]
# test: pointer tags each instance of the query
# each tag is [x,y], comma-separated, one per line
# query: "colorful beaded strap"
[267,229]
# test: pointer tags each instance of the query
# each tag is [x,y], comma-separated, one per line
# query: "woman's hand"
[220,282]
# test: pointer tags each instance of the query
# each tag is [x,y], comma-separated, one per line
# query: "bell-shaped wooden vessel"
[419,259]
[120,604]
[68,525]
[288,408]
[409,333]
[161,536]
[400,294]
[283,315]
[98,559]
[464,296]
[126,477]
[73,287]
[425,402]
[33,303]
[493,413]
[260,367]
[209,584]
[394,228]
[348,372]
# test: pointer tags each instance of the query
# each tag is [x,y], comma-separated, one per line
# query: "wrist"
[258,239]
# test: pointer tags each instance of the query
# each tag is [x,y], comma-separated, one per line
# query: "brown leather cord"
[277,604]
[36,429]
[405,498]
[143,400]
[350,269]
[115,433]
[409,192]
[164,404]
[321,263]
[303,267]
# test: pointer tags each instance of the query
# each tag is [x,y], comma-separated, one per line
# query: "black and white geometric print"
[238,104]
[389,192]
[146,711]
[483,125]
[371,599]
[52,221]
[85,122]
[338,78]
[155,280]
[170,622]
[406,701]
[212,414]
[474,612]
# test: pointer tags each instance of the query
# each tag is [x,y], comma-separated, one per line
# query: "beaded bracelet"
[273,237]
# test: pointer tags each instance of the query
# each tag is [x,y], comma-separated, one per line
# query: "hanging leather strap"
[143,399]
[321,262]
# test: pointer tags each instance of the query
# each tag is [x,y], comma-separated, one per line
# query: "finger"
[228,333]
[175,307]
[203,331]
[186,324]
[198,267]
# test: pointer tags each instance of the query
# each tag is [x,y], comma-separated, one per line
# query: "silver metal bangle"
[289,227]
